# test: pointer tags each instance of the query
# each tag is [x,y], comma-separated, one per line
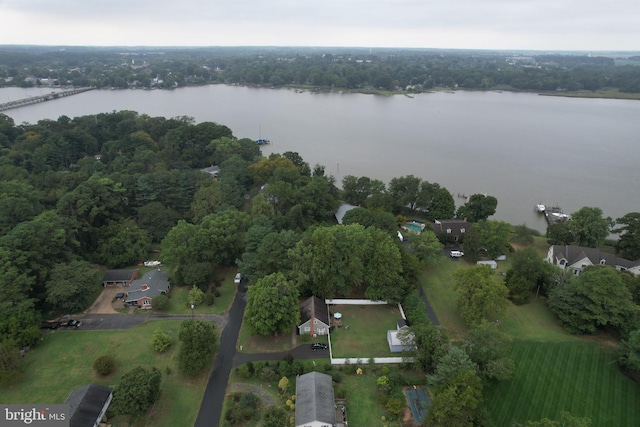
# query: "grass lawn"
[438,285]
[534,321]
[575,376]
[63,361]
[362,408]
[179,296]
[366,335]
[259,344]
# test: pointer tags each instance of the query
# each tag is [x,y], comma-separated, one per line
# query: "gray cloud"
[541,24]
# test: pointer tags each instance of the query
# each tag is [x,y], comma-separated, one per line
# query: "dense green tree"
[559,233]
[597,298]
[137,391]
[274,417]
[19,202]
[91,205]
[426,246]
[330,261]
[122,243]
[522,235]
[456,403]
[450,363]
[630,351]
[487,238]
[356,190]
[207,199]
[589,227]
[628,246]
[480,296]
[442,205]
[406,192]
[478,208]
[528,272]
[157,220]
[70,286]
[198,343]
[226,235]
[487,346]
[432,343]
[272,305]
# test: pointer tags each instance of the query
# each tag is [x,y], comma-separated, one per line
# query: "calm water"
[521,148]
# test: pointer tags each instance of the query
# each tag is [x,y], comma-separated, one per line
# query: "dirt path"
[104,303]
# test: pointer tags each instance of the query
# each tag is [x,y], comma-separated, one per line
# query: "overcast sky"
[588,25]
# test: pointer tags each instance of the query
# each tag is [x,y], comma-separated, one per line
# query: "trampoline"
[418,402]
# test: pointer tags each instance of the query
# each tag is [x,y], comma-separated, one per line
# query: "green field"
[364,330]
[579,377]
[63,361]
[556,371]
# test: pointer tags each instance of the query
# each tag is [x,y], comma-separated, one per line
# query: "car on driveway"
[319,346]
[119,295]
[237,279]
[456,254]
[73,323]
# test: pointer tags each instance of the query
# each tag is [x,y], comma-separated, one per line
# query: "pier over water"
[42,98]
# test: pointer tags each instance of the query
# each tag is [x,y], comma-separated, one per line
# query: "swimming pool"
[415,227]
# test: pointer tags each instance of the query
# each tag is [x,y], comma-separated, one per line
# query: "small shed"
[491,264]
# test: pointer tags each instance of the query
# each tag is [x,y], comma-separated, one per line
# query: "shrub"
[243,372]
[216,293]
[249,400]
[161,341]
[267,374]
[196,296]
[209,299]
[160,303]
[394,406]
[104,365]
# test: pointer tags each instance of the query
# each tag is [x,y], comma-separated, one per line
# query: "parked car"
[237,279]
[119,295]
[456,254]
[319,346]
[73,323]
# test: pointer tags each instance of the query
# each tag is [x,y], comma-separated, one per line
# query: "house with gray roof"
[152,284]
[314,317]
[453,229]
[88,404]
[315,403]
[212,170]
[343,209]
[119,277]
[577,258]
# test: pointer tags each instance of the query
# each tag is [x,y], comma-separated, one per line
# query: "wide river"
[521,148]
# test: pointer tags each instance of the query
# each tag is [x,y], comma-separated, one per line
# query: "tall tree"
[629,244]
[589,227]
[272,305]
[456,403]
[488,347]
[478,208]
[528,272]
[137,391]
[597,298]
[426,246]
[487,238]
[480,296]
[198,343]
[71,286]
[406,192]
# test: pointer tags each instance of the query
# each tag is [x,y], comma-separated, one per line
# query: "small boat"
[262,141]
[540,208]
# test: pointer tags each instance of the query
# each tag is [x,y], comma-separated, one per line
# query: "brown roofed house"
[314,317]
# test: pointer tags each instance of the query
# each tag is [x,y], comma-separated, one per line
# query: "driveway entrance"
[104,304]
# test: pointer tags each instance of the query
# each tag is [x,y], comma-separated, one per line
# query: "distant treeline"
[412,70]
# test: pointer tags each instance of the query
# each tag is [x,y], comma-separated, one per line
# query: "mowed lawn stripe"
[578,377]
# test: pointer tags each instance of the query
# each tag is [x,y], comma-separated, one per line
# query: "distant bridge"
[42,98]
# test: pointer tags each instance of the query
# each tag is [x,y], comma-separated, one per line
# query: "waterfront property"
[577,258]
[414,226]
[453,229]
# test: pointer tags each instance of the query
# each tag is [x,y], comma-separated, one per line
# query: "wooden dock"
[42,98]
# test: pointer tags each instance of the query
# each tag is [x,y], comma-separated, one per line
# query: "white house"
[577,258]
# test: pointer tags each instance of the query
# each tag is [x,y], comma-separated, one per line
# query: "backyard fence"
[359,361]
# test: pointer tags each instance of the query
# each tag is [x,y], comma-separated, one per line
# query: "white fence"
[362,360]
[353,302]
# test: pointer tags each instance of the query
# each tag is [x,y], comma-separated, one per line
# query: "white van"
[456,254]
